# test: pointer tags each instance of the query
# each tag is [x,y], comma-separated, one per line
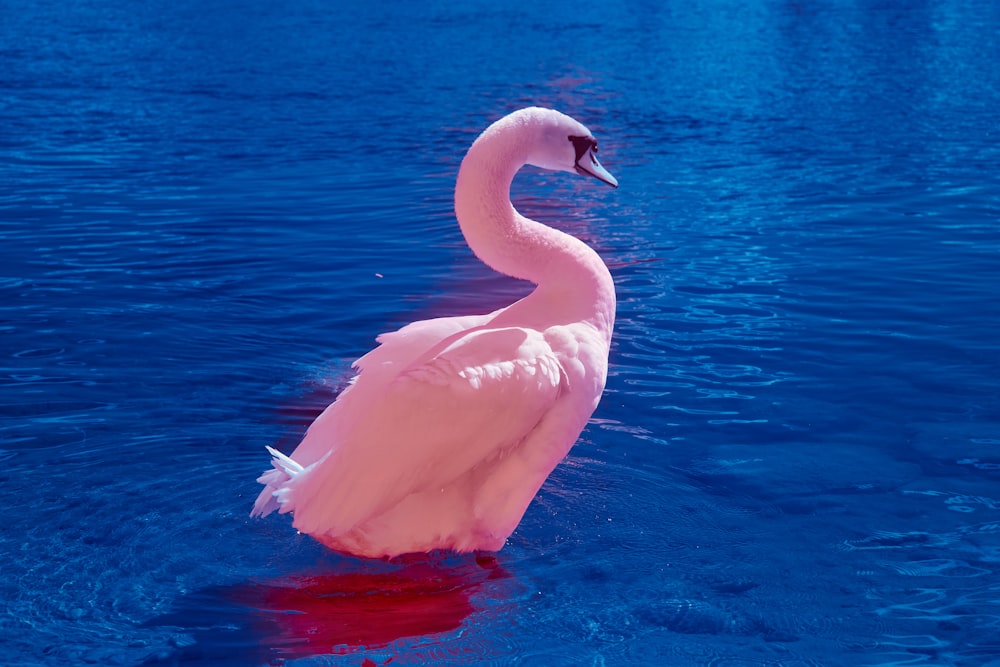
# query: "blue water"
[207,210]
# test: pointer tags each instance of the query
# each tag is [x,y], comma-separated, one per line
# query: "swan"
[451,425]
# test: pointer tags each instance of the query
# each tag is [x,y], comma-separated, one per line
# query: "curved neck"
[565,269]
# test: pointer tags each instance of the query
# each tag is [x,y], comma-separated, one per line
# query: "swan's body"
[452,424]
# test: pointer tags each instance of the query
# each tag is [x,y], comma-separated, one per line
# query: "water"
[208,210]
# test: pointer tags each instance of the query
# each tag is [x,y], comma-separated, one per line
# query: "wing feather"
[477,398]
[396,351]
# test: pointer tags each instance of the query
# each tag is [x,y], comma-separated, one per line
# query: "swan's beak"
[588,165]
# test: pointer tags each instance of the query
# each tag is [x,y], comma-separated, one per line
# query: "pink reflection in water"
[299,616]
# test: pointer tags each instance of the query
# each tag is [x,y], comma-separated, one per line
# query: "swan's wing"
[401,347]
[476,399]
[397,350]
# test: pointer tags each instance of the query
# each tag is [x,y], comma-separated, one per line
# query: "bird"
[451,425]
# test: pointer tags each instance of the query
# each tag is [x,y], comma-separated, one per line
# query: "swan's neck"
[569,274]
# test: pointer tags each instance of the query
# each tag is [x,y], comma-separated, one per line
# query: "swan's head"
[563,144]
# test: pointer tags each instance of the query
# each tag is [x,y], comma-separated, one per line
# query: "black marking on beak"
[582,145]
[586,147]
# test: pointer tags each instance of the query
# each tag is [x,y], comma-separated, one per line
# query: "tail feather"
[284,469]
[285,463]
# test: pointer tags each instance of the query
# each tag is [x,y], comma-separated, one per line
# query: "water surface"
[208,211]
